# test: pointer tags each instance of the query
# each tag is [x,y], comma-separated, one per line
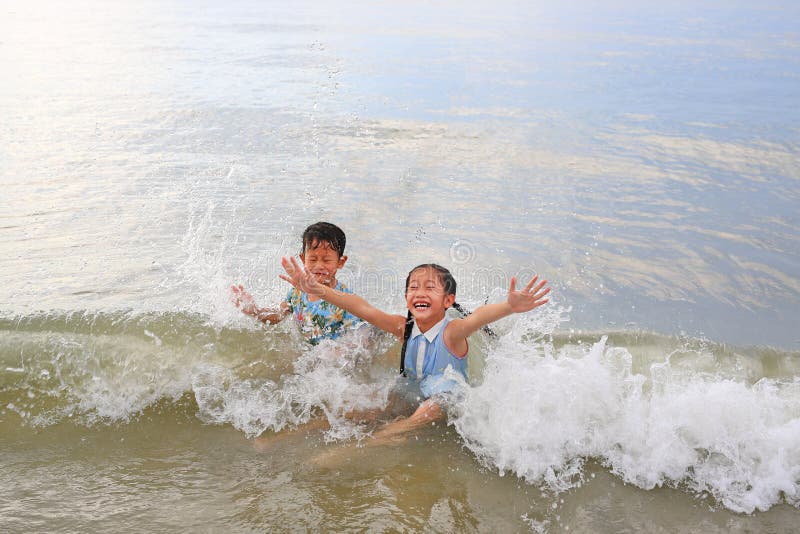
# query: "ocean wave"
[698,417]
[655,410]
[100,368]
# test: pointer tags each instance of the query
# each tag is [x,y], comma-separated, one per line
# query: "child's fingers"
[540,286]
[533,290]
[513,286]
[530,284]
[296,265]
[284,277]
[540,294]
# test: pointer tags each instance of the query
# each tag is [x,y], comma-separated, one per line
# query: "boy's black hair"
[324,232]
[449,283]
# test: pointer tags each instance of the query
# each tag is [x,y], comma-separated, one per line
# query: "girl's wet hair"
[449,284]
[324,232]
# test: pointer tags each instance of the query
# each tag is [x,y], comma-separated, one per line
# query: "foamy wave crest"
[326,382]
[540,412]
[93,368]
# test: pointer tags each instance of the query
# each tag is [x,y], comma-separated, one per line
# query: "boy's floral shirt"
[319,319]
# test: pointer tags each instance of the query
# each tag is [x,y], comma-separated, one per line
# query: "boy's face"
[322,260]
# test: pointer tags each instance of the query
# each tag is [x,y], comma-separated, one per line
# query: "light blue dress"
[437,358]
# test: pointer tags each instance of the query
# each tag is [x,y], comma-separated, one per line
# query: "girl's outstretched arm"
[526,299]
[306,282]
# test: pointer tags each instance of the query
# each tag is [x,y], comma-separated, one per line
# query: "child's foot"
[334,456]
[379,440]
[266,440]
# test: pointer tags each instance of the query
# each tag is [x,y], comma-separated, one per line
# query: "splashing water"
[541,412]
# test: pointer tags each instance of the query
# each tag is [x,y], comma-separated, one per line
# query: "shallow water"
[642,158]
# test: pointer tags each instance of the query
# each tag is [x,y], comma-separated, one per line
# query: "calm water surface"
[644,158]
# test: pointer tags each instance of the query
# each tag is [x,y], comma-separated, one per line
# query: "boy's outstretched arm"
[524,300]
[306,282]
[245,302]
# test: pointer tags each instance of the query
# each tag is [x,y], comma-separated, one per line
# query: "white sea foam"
[325,382]
[539,413]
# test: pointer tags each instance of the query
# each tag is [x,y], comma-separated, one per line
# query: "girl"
[432,342]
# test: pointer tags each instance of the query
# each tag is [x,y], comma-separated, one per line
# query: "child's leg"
[364,416]
[268,438]
[265,440]
[427,413]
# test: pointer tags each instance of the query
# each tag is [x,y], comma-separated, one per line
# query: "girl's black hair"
[324,232]
[449,284]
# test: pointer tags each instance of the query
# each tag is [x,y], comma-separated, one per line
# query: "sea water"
[641,156]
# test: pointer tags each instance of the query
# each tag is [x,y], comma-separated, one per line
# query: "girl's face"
[426,296]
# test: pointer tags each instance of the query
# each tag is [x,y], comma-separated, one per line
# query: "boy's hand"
[243,300]
[532,296]
[300,278]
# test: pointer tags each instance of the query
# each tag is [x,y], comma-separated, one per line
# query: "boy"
[322,255]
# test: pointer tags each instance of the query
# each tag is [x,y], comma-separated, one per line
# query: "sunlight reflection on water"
[514,133]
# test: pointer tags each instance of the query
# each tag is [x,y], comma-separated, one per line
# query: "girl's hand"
[243,300]
[532,296]
[300,278]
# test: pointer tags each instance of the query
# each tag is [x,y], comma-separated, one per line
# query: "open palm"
[528,298]
[300,278]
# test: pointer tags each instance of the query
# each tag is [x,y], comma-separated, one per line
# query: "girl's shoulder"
[455,343]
